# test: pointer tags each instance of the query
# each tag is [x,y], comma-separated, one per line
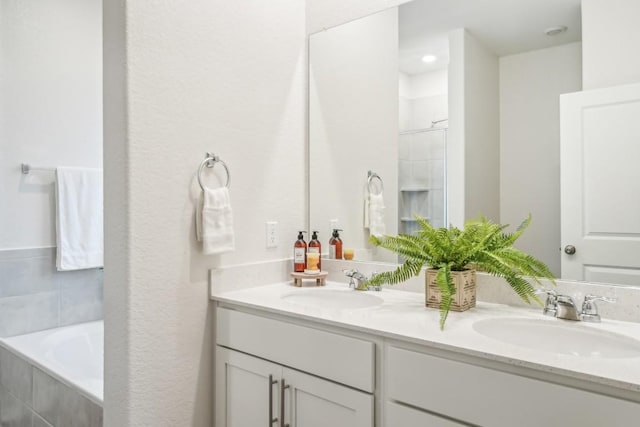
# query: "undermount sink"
[333,298]
[558,336]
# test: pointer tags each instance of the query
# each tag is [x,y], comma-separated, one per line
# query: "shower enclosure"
[422,177]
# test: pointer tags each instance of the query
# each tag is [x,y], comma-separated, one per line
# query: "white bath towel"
[376,215]
[217,222]
[79,218]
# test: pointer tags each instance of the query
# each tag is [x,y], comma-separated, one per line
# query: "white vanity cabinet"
[292,376]
[397,414]
[309,373]
[246,389]
[454,393]
[251,391]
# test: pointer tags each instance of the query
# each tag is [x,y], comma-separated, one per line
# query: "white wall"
[404,85]
[432,83]
[455,138]
[610,40]
[182,79]
[530,88]
[404,104]
[473,146]
[423,98]
[482,131]
[322,14]
[354,62]
[50,108]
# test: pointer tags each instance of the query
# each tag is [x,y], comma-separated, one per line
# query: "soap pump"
[316,247]
[299,253]
[335,245]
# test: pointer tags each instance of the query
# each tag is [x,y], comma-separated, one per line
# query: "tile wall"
[423,99]
[422,176]
[421,166]
[30,397]
[35,296]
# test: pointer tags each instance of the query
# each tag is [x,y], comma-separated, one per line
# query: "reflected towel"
[376,215]
[216,231]
[79,218]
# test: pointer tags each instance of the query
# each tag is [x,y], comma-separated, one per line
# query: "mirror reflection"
[455,105]
[447,104]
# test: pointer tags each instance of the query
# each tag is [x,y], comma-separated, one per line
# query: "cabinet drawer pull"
[283,387]
[272,382]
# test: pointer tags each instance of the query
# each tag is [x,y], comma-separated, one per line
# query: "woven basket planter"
[465,284]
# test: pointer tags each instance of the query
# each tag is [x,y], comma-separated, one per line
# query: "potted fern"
[453,256]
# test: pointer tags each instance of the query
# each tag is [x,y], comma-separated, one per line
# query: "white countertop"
[403,316]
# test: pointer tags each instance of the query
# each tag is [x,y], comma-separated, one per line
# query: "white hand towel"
[376,215]
[217,222]
[79,218]
[366,212]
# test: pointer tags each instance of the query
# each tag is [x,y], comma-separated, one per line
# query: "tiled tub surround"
[35,296]
[45,386]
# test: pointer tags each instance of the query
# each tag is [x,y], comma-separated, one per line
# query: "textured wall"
[183,78]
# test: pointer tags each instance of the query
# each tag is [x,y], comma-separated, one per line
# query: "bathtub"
[73,355]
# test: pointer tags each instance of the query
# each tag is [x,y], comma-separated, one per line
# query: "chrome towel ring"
[210,161]
[370,177]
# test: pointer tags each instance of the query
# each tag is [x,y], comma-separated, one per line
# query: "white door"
[600,185]
[246,388]
[313,402]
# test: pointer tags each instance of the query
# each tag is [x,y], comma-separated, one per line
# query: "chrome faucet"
[551,304]
[566,308]
[357,279]
[563,306]
[589,308]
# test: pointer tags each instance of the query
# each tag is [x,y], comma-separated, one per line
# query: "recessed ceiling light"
[554,31]
[429,58]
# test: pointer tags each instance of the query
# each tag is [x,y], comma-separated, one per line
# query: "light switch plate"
[271,234]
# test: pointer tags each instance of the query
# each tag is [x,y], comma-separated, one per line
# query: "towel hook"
[209,161]
[370,177]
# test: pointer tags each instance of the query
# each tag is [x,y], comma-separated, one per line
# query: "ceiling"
[504,26]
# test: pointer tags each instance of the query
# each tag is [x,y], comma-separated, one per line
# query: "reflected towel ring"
[210,161]
[370,177]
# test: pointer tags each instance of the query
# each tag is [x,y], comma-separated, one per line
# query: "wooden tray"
[320,278]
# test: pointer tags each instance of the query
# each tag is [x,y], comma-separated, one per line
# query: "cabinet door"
[244,390]
[405,416]
[314,402]
[487,397]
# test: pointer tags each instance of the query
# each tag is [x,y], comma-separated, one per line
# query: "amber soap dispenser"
[316,247]
[300,254]
[335,245]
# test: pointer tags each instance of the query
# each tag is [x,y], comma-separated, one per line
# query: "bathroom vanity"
[336,357]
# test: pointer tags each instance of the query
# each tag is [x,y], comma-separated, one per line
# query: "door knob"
[569,249]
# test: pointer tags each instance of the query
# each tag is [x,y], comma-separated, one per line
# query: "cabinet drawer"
[400,415]
[346,360]
[488,397]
